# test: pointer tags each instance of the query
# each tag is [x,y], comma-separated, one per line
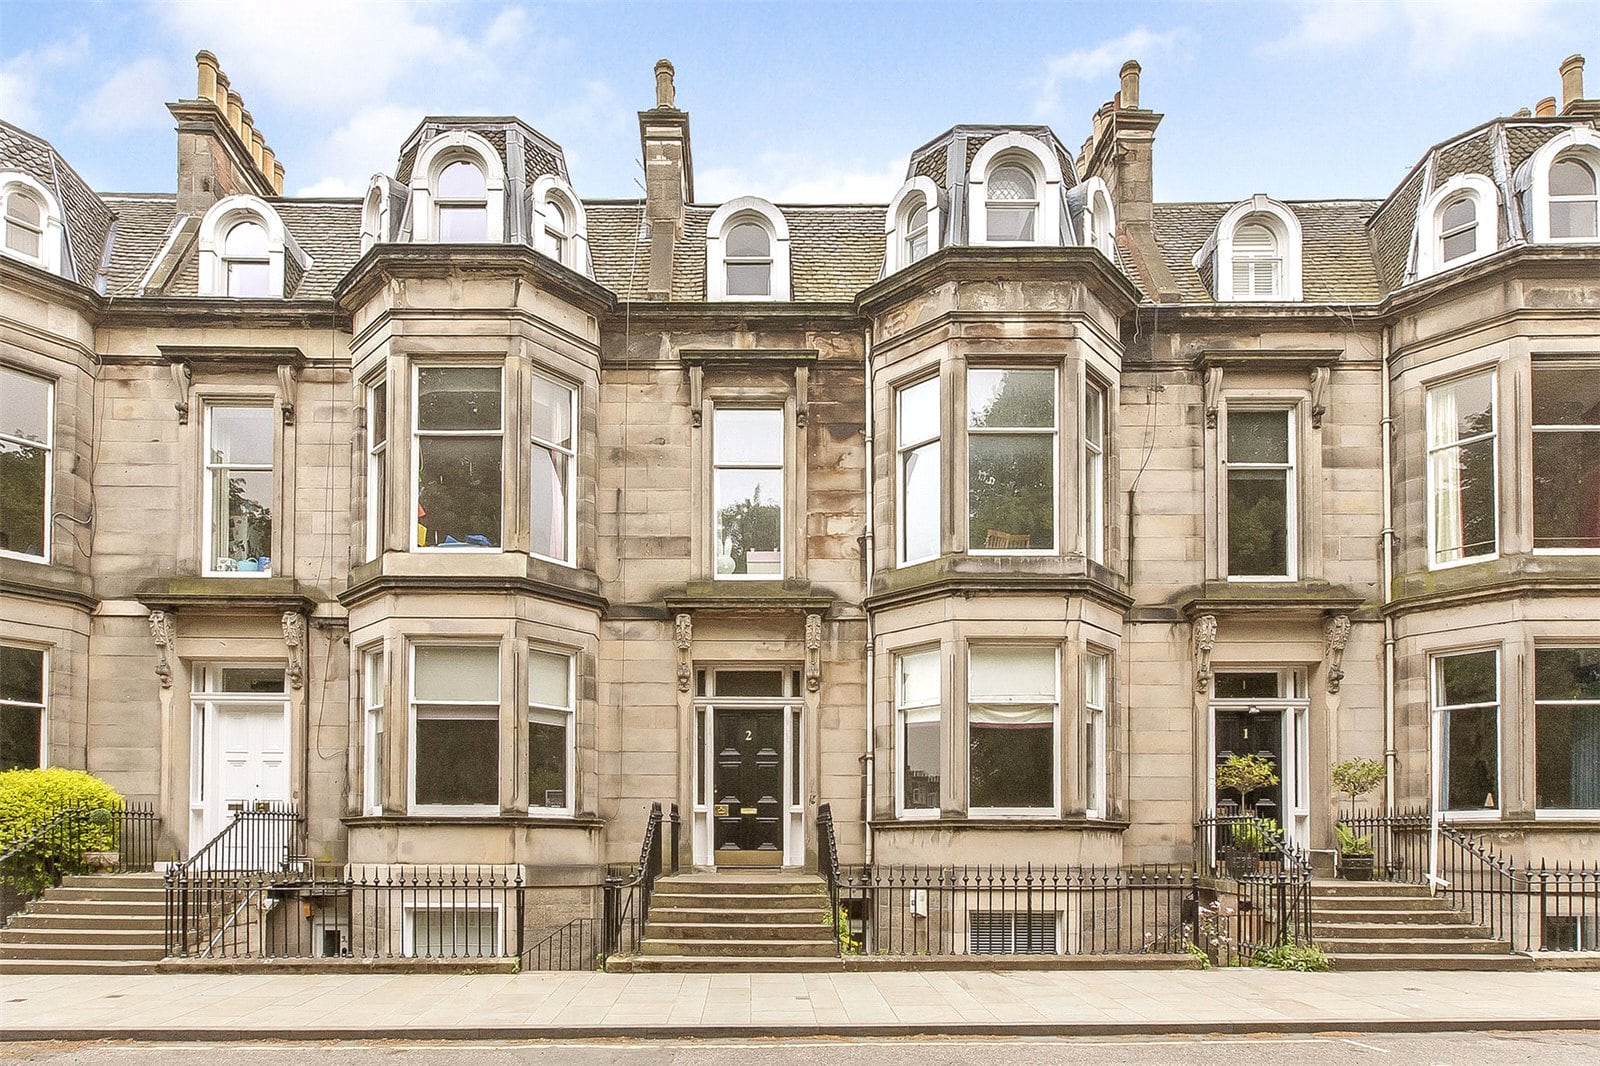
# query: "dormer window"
[247,260]
[747,252]
[462,201]
[911,225]
[1574,204]
[30,221]
[556,230]
[1257,263]
[1013,203]
[1458,229]
[748,257]
[1099,219]
[1456,224]
[24,223]
[916,233]
[559,226]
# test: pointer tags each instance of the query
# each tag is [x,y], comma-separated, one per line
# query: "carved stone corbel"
[1336,634]
[288,379]
[161,633]
[813,652]
[697,377]
[1319,394]
[683,637]
[1213,395]
[182,381]
[802,395]
[294,639]
[1204,642]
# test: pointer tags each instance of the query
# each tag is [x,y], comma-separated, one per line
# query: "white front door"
[241,724]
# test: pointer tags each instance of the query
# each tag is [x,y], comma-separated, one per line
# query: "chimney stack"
[1571,81]
[220,152]
[668,178]
[1545,108]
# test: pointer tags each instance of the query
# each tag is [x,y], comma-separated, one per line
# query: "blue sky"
[799,102]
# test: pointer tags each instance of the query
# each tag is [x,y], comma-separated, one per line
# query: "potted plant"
[1244,774]
[1355,778]
[1247,839]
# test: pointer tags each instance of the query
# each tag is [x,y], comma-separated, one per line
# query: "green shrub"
[849,943]
[28,800]
[1302,958]
[1352,845]
[1356,777]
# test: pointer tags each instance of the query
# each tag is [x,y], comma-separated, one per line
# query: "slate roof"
[85,217]
[143,222]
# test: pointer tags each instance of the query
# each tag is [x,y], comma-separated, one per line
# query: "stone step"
[1412,945]
[1441,961]
[1385,914]
[661,911]
[725,884]
[151,952]
[1378,903]
[72,966]
[108,937]
[73,920]
[1395,930]
[732,931]
[137,880]
[738,901]
[114,894]
[723,964]
[738,949]
[133,908]
[1367,888]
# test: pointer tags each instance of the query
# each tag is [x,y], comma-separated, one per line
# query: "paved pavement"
[584,1005]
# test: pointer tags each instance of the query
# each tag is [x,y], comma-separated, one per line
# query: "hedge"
[29,799]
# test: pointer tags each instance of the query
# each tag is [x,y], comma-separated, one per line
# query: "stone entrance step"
[1376,925]
[730,921]
[98,923]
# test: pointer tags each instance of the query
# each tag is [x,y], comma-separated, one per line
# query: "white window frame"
[1099,218]
[1430,450]
[1437,712]
[1092,490]
[1556,814]
[375,213]
[1291,476]
[1555,427]
[417,433]
[203,700]
[917,192]
[1046,167]
[1054,431]
[50,233]
[723,219]
[444,149]
[567,717]
[219,221]
[904,449]
[907,713]
[792,704]
[569,520]
[466,707]
[378,453]
[48,444]
[408,926]
[1218,247]
[1430,222]
[550,194]
[42,707]
[1533,177]
[1096,717]
[1054,809]
[374,688]
[208,474]
[1293,706]
[783,495]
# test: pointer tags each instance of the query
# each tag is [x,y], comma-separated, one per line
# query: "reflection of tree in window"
[1011,417]
[749,525]
[1467,694]
[1259,485]
[25,412]
[1566,690]
[1566,458]
[747,459]
[458,457]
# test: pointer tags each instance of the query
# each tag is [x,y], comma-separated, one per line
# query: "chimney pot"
[1545,108]
[277,177]
[220,97]
[666,91]
[268,159]
[1571,80]
[1522,112]
[247,127]
[1130,85]
[258,146]
[206,75]
[235,110]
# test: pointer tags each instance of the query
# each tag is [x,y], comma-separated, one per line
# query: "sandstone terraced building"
[473,516]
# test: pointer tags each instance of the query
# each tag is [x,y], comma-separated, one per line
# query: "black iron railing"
[625,898]
[828,861]
[209,892]
[73,839]
[574,946]
[1021,910]
[1399,842]
[1268,877]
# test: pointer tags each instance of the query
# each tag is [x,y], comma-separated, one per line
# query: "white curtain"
[1448,534]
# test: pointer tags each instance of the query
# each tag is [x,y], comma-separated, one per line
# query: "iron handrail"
[828,859]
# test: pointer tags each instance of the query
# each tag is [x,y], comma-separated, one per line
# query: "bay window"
[1566,458]
[377,468]
[1261,494]
[1013,699]
[550,731]
[457,457]
[26,425]
[1566,694]
[748,488]
[917,451]
[373,684]
[22,703]
[555,408]
[455,728]
[1466,712]
[1011,460]
[239,489]
[1092,493]
[1462,496]
[918,708]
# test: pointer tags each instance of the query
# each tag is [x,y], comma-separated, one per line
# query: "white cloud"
[367,144]
[22,75]
[792,178]
[132,98]
[1438,33]
[1098,62]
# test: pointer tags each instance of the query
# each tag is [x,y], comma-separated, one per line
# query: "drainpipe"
[867,554]
[1386,424]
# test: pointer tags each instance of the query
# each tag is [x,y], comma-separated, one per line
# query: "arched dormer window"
[458,191]
[375,213]
[912,225]
[747,252]
[1014,192]
[560,228]
[1561,183]
[31,220]
[243,247]
[1457,224]
[1099,218]
[1254,252]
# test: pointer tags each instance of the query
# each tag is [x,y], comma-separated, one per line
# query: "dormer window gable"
[1099,218]
[243,250]
[913,225]
[1457,224]
[1254,253]
[560,227]
[1014,192]
[30,218]
[1560,187]
[458,191]
[747,252]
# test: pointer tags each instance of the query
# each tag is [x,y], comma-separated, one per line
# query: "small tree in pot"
[1245,774]
[1355,778]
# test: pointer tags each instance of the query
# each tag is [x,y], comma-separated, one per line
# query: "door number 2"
[749,734]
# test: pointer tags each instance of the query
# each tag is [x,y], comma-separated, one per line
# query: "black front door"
[1252,733]
[748,788]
